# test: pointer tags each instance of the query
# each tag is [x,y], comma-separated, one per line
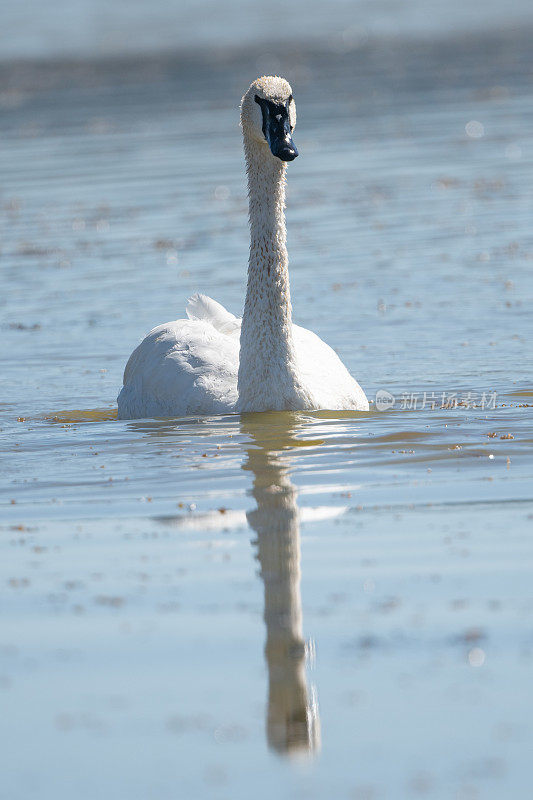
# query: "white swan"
[214,363]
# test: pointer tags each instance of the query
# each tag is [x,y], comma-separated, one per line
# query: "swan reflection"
[292,721]
[292,715]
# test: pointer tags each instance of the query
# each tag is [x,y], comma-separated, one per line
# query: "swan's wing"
[201,307]
[182,367]
[324,373]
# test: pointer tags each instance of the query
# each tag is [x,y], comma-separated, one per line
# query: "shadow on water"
[83,415]
[293,723]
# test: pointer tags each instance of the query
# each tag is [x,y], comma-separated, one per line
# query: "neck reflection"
[292,718]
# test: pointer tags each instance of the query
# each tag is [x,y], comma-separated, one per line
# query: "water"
[281,605]
[88,28]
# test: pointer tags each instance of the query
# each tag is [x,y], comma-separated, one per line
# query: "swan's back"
[191,366]
[188,366]
[329,382]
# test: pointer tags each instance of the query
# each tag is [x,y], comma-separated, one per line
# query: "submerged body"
[214,363]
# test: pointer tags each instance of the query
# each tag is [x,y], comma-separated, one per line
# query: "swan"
[214,363]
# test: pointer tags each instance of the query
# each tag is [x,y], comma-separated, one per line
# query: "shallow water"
[283,604]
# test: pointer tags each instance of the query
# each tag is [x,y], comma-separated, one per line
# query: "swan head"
[268,116]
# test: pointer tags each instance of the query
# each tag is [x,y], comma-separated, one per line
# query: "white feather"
[201,307]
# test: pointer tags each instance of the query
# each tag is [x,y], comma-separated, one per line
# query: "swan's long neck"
[267,365]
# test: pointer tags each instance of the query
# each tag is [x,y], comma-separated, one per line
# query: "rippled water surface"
[280,605]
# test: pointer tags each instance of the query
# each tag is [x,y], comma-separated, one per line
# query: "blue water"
[277,605]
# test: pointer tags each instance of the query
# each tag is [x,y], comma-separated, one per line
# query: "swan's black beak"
[277,128]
